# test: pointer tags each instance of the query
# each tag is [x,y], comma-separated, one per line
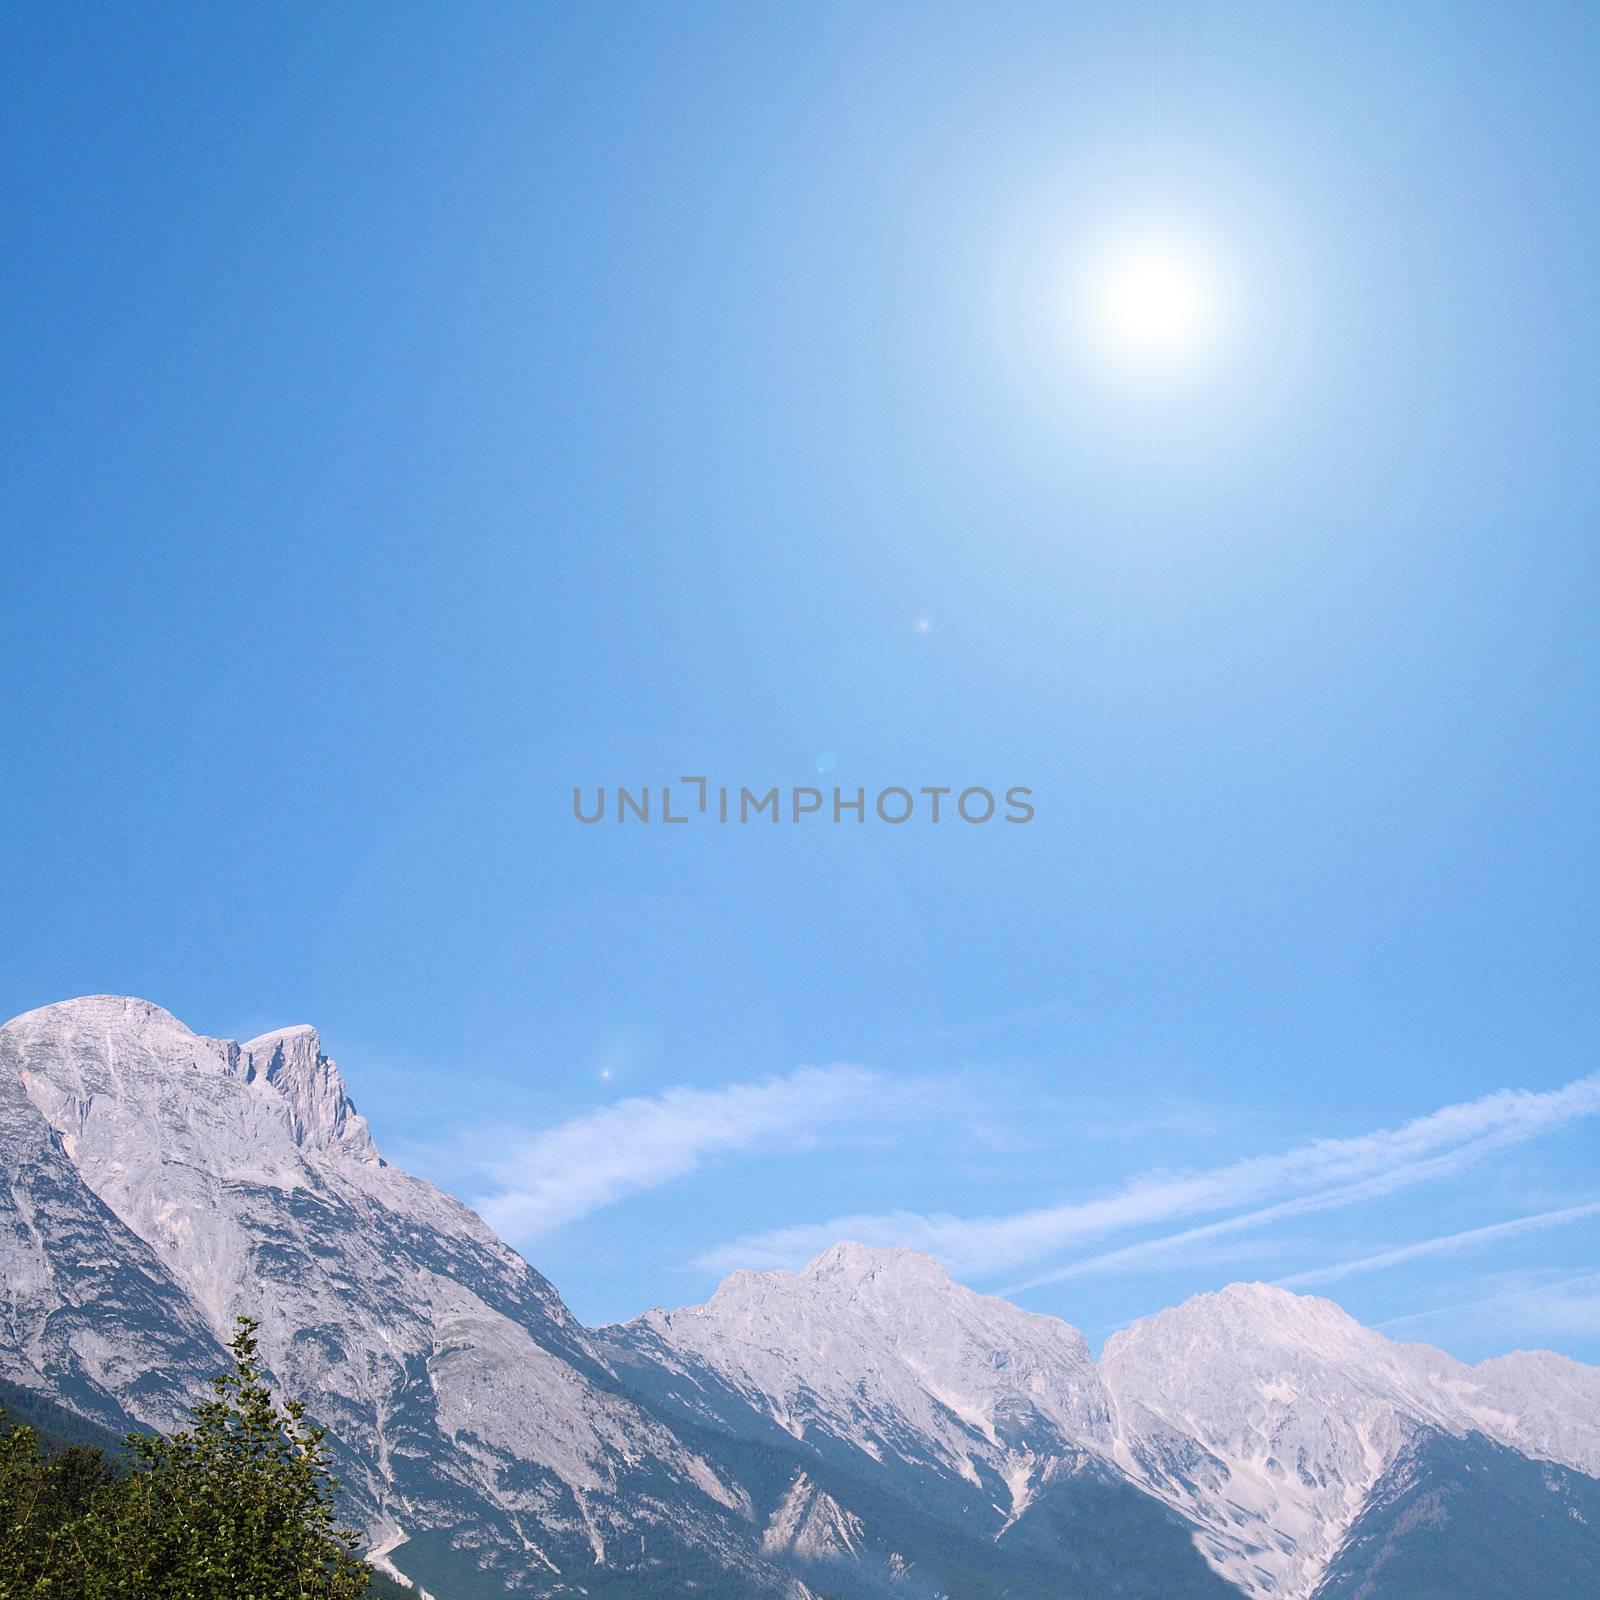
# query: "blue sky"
[411,414]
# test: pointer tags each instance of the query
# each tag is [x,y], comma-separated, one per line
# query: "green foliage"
[39,1499]
[239,1506]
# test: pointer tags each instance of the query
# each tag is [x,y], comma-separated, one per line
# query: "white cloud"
[1319,1175]
[1444,1244]
[1182,1245]
[566,1172]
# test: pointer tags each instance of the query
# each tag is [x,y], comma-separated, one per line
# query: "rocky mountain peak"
[1250,1324]
[323,1115]
[856,1263]
[137,1054]
[104,1026]
[155,1183]
[105,1011]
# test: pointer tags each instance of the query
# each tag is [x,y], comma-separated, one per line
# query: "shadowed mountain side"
[1468,1519]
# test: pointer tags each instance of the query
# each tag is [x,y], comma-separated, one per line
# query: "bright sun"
[1151,303]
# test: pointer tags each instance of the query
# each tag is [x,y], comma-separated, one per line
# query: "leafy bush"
[238,1506]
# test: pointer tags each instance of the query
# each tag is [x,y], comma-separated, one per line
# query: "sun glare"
[1151,304]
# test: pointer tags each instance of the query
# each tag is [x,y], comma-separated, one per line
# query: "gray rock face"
[878,1353]
[1266,1421]
[88,1311]
[1269,1419]
[161,1183]
[928,1434]
[866,1428]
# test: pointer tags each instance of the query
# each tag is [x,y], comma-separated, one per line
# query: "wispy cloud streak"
[1537,1304]
[563,1173]
[1319,1175]
[1444,1244]
[1182,1244]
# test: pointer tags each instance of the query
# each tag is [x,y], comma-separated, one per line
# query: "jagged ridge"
[864,1427]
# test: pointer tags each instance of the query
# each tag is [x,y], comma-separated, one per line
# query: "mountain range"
[865,1428]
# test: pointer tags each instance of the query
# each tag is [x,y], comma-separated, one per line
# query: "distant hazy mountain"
[865,1428]
[1272,1424]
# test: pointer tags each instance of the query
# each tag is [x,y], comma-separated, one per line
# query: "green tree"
[239,1506]
[24,1521]
[41,1496]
